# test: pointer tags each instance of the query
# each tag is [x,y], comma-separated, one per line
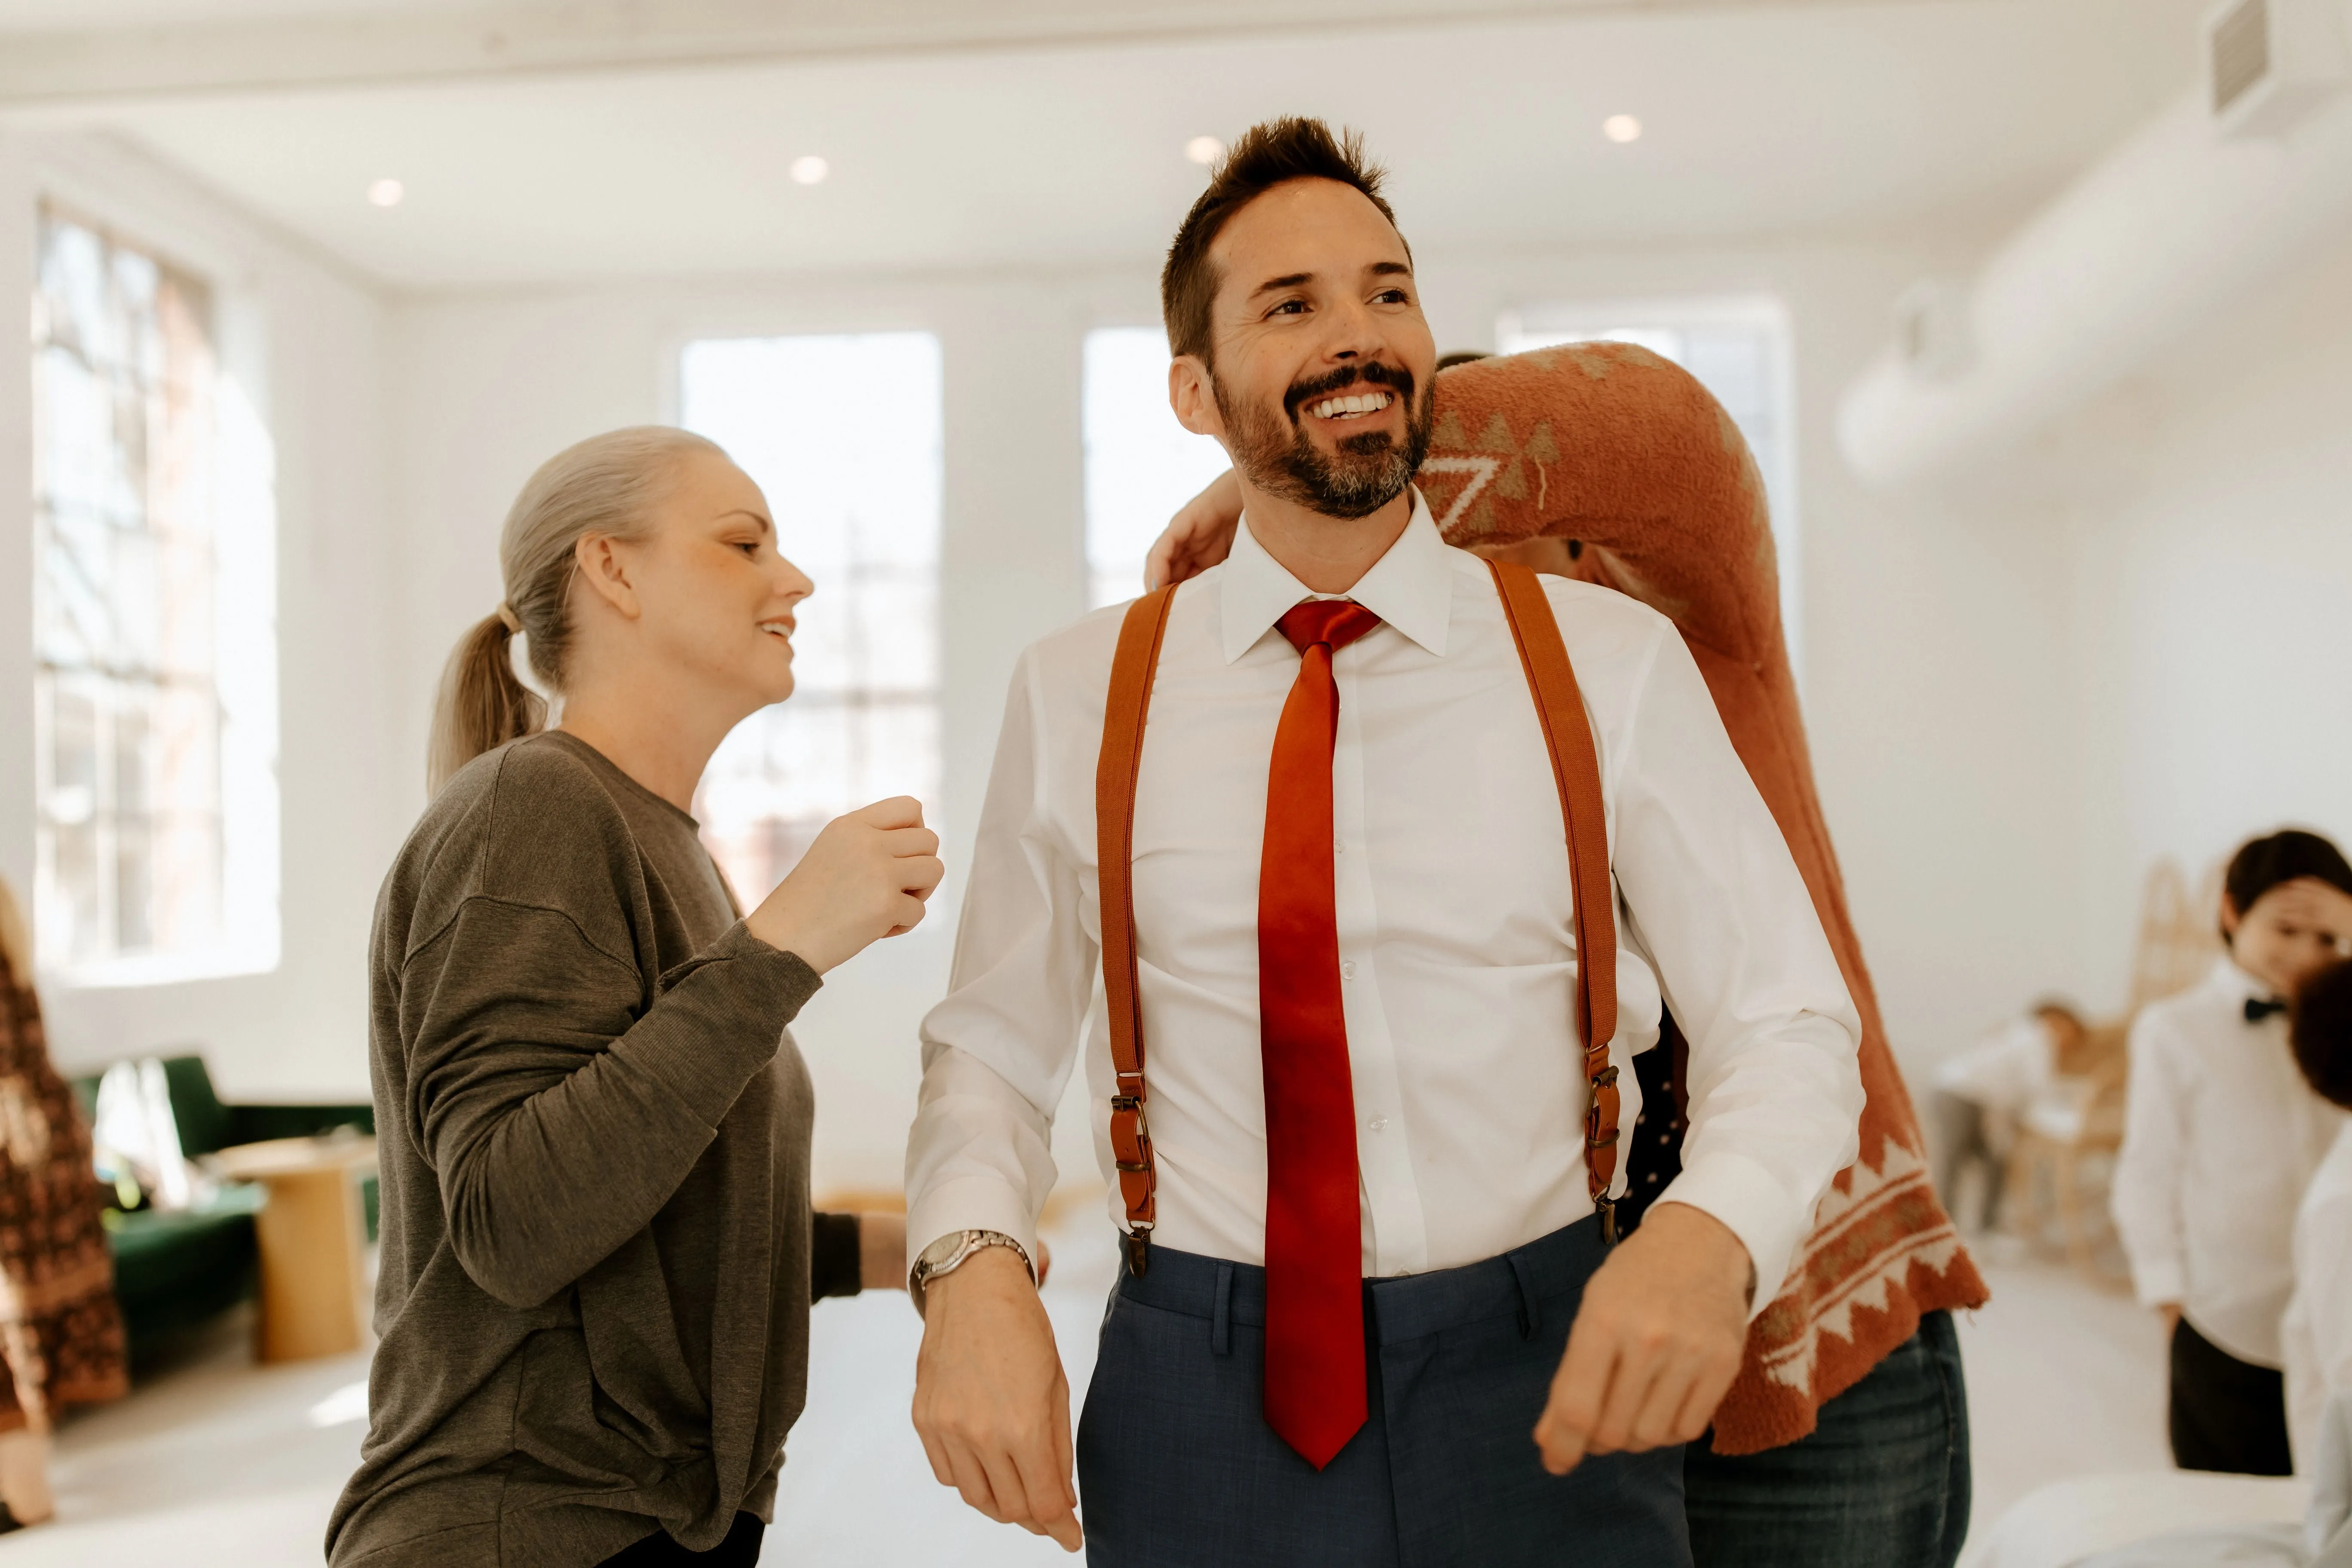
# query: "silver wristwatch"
[952,1251]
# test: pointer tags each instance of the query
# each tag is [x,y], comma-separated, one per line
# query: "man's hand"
[992,1405]
[1657,1343]
[1200,535]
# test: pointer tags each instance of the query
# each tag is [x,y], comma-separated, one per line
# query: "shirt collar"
[2237,985]
[1410,587]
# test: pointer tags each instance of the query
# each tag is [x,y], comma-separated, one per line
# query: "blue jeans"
[1883,1483]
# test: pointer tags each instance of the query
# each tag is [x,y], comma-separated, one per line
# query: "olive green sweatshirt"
[593,1133]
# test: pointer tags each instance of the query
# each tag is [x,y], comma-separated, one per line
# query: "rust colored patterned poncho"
[1612,446]
[60,1332]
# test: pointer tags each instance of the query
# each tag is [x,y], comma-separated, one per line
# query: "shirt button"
[1347,972]
[1339,846]
[1379,1123]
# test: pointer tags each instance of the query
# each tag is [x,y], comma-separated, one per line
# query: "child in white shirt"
[1980,1093]
[2221,1138]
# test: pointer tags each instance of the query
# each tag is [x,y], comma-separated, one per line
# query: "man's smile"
[1352,407]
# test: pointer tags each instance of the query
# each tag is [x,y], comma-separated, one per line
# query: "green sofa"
[173,1271]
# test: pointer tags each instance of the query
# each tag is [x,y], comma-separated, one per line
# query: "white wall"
[2211,598]
[1932,702]
[313,362]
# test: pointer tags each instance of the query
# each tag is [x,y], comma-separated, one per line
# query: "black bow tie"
[2257,1009]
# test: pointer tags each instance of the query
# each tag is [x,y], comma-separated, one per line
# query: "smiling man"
[1371,1309]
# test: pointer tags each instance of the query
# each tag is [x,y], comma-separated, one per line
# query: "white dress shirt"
[2221,1138]
[2005,1070]
[2317,1333]
[1455,925]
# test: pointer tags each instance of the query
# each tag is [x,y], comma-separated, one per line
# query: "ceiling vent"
[2269,62]
[1931,329]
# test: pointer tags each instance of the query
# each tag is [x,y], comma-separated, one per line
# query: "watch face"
[939,1251]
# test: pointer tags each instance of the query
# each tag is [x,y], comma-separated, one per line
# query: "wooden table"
[313,1239]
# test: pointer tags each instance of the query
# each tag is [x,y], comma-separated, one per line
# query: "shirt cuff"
[836,1264]
[2160,1281]
[1755,1209]
[969,1203]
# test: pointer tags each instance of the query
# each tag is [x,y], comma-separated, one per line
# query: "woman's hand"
[865,877]
[1199,536]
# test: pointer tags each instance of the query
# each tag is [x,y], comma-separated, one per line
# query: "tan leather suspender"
[1576,768]
[1131,670]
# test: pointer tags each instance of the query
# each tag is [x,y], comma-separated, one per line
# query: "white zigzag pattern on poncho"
[1791,1362]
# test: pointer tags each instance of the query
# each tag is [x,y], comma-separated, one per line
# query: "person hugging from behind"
[1982,1092]
[2221,1138]
[2316,1334]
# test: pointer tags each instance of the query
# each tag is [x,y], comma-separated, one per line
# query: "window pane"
[1140,464]
[128,712]
[844,435]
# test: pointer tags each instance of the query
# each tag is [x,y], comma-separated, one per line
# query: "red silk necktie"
[1314,1228]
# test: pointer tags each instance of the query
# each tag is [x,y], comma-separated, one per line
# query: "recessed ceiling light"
[386,193]
[1621,128]
[810,170]
[1204,149]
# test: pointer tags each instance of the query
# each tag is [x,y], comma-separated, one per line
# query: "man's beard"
[1366,473]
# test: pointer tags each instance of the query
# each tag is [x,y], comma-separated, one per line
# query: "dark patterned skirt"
[60,1332]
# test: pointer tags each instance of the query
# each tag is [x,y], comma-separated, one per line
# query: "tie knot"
[1334,623]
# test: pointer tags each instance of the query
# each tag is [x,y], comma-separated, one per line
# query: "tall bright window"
[1140,464]
[154,702]
[1739,349]
[843,433]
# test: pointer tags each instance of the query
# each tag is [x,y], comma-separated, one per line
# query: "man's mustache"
[1374,373]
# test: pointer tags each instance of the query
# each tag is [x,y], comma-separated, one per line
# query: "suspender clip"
[1607,1209]
[1138,1249]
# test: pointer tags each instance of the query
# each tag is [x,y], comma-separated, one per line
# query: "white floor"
[218,1462]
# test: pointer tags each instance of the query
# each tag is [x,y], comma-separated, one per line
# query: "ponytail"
[606,485]
[482,704]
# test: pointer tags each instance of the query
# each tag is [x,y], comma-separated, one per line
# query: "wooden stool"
[313,1239]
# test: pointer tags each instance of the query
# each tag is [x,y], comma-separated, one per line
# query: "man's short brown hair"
[1268,154]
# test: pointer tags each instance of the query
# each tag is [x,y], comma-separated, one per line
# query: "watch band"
[952,1251]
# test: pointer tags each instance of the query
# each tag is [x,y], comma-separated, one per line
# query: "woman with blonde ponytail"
[593,1126]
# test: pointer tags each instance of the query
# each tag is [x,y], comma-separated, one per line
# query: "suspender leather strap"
[1576,769]
[1131,671]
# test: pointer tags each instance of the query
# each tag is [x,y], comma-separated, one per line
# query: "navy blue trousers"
[1177,1468]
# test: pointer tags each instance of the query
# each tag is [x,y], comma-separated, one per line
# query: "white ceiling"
[1759,121]
[92,15]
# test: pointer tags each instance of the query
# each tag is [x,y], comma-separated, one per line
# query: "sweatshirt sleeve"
[836,1261]
[2145,1202]
[559,1111]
